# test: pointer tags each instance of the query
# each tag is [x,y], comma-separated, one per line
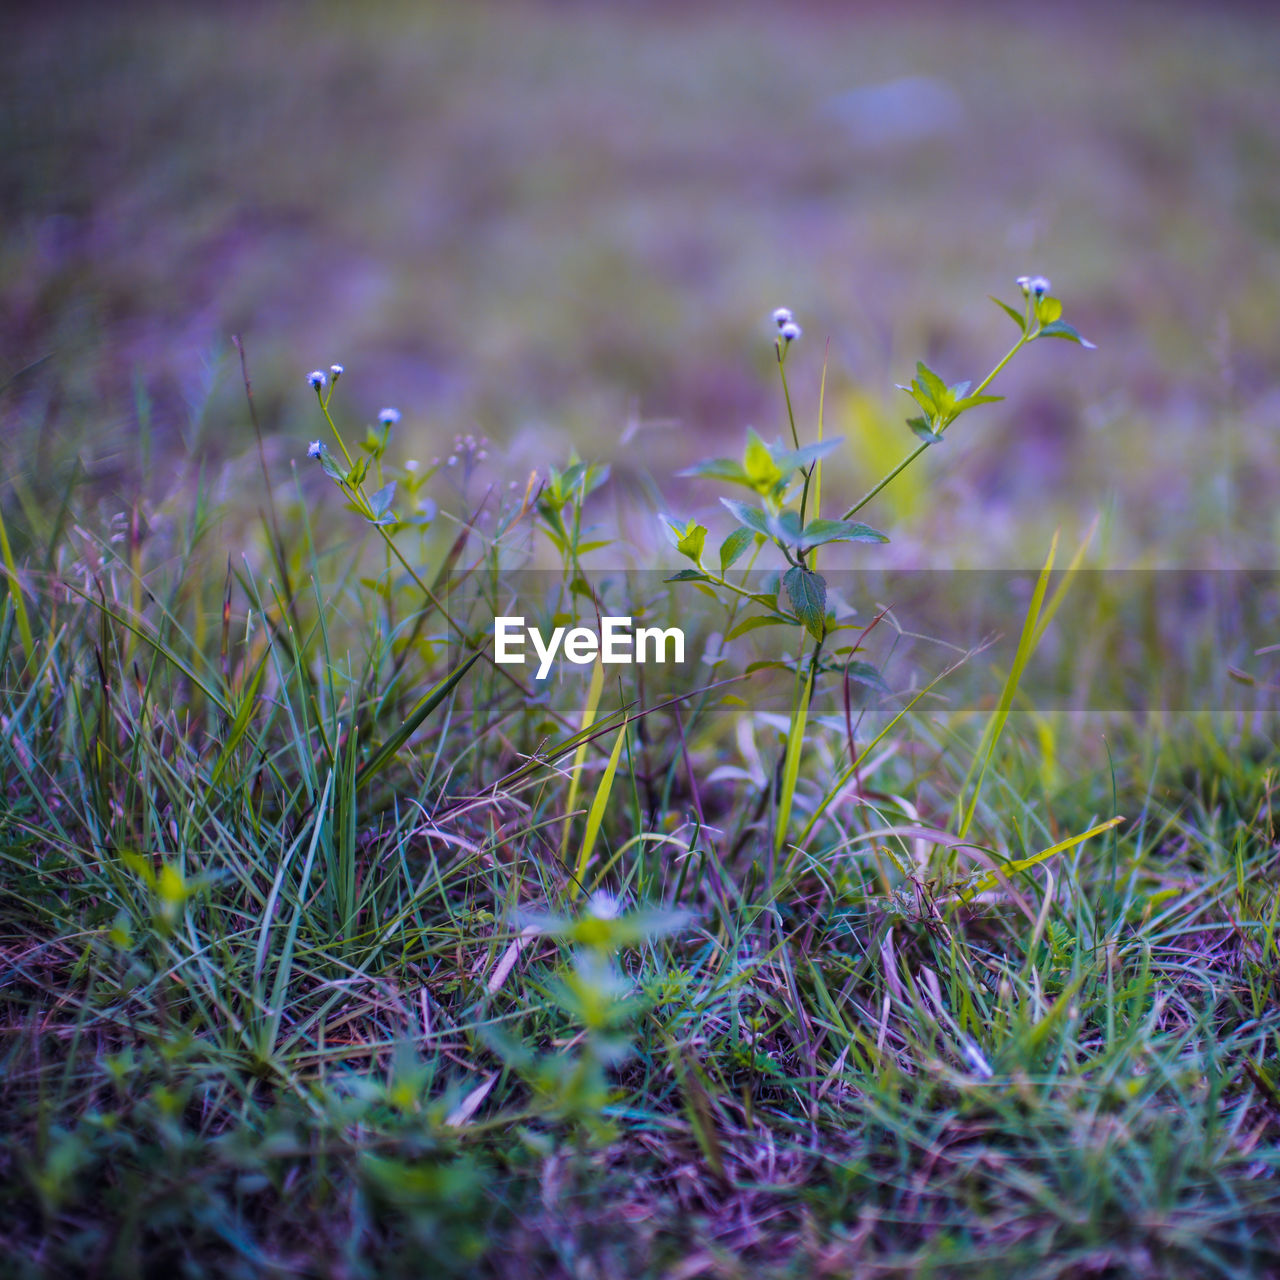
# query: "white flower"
[782,316]
[1039,286]
[317,378]
[336,370]
[1024,283]
[602,905]
[388,417]
[315,449]
[411,464]
[790,331]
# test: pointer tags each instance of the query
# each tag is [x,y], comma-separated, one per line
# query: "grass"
[306,971]
[329,948]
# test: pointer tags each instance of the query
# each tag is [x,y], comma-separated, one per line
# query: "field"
[921,921]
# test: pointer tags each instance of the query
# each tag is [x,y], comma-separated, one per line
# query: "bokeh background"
[564,224]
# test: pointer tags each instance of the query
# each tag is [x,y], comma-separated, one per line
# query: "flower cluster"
[788,330]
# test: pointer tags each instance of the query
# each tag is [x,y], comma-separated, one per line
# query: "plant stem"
[915,453]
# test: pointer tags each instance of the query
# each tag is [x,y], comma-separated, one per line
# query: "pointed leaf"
[969,401]
[757,621]
[1016,316]
[807,592]
[1061,329]
[793,459]
[692,541]
[720,469]
[424,707]
[786,527]
[761,470]
[930,381]
[381,501]
[733,547]
[751,517]
[920,396]
[818,532]
[922,428]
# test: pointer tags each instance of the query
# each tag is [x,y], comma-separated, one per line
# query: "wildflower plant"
[785,481]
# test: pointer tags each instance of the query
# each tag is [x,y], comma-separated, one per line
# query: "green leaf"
[750,517]
[423,708]
[597,474]
[1016,316]
[595,815]
[818,532]
[358,472]
[761,470]
[381,501]
[732,548]
[969,401]
[931,383]
[692,541]
[786,527]
[1048,310]
[922,428]
[688,575]
[331,468]
[757,621]
[720,469]
[920,396]
[1061,329]
[807,592]
[794,459]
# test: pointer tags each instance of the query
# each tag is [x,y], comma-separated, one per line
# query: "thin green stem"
[337,435]
[786,393]
[916,452]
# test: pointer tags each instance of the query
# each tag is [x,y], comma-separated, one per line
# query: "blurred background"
[564,225]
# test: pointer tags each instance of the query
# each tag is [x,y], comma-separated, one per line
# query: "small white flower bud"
[790,331]
[452,462]
[315,449]
[317,378]
[337,371]
[1024,283]
[388,417]
[1039,286]
[411,464]
[602,905]
[782,316]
